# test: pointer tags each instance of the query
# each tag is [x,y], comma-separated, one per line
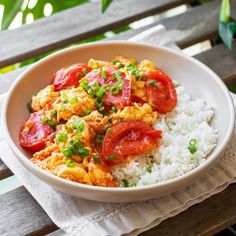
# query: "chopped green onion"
[115,89]
[192,146]
[115,61]
[44,119]
[84,84]
[130,64]
[67,151]
[52,123]
[103,73]
[98,104]
[79,125]
[112,157]
[85,71]
[106,127]
[54,113]
[120,65]
[113,76]
[120,120]
[73,100]
[61,138]
[79,75]
[133,185]
[82,152]
[95,86]
[87,112]
[152,82]
[114,109]
[117,74]
[125,182]
[64,97]
[91,92]
[76,144]
[63,107]
[149,169]
[101,92]
[99,139]
[96,159]
[70,163]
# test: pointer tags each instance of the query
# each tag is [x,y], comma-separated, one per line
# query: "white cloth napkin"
[82,217]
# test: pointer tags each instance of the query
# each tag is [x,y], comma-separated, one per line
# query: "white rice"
[189,120]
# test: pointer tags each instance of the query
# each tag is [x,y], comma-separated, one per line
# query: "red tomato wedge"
[33,133]
[112,79]
[128,138]
[161,91]
[69,76]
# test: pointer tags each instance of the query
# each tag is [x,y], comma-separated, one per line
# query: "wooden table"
[20,213]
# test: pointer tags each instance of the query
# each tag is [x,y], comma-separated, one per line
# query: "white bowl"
[198,80]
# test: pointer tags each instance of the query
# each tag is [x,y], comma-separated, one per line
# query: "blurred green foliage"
[227,24]
[12,7]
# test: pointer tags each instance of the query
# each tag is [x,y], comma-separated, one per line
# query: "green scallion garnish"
[85,71]
[101,92]
[70,163]
[96,159]
[192,146]
[67,151]
[61,138]
[103,73]
[79,125]
[64,97]
[114,109]
[112,157]
[149,169]
[73,100]
[82,152]
[63,107]
[54,113]
[106,127]
[152,82]
[125,182]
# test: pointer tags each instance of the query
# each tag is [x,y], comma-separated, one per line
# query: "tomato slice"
[69,76]
[108,76]
[33,133]
[161,91]
[128,138]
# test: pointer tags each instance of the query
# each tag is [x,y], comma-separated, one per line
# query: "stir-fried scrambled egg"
[73,151]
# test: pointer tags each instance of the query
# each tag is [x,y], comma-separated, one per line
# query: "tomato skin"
[69,76]
[35,138]
[162,96]
[128,138]
[120,100]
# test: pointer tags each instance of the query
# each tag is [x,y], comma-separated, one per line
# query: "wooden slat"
[221,61]
[73,25]
[21,213]
[206,218]
[193,26]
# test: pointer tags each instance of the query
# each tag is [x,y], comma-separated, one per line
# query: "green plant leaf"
[227,25]
[11,8]
[105,5]
[225,11]
[227,33]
